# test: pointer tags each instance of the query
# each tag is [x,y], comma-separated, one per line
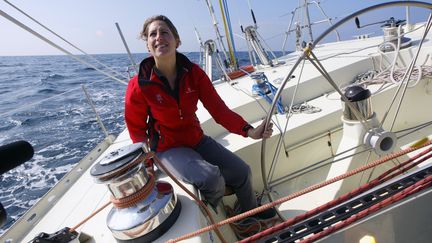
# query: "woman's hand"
[259,132]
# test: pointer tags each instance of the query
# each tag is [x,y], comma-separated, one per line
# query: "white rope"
[370,78]
[390,75]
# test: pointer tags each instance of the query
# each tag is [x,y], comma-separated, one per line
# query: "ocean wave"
[52,77]
[86,69]
[35,119]
[12,65]
[4,91]
[9,124]
[48,91]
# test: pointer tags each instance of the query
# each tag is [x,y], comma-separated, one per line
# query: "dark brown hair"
[144,32]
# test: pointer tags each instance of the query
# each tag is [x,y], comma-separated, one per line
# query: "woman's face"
[160,40]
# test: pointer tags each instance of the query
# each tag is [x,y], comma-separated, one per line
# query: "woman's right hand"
[259,132]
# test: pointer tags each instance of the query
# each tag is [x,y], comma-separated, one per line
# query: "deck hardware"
[144,208]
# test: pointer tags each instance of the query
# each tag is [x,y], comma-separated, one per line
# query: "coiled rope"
[136,197]
[387,77]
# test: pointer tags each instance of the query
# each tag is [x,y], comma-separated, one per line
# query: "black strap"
[152,133]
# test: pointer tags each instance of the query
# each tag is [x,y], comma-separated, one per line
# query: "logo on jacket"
[189,90]
[159,98]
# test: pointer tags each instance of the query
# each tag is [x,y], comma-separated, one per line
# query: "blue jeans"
[210,167]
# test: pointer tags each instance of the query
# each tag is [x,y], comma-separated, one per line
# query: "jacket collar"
[146,66]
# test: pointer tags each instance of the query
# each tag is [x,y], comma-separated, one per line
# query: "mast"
[305,22]
[228,32]
[215,25]
[308,23]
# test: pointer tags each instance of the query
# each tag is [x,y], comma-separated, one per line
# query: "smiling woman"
[162,42]
[160,107]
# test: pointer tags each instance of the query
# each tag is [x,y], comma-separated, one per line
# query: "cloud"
[99,33]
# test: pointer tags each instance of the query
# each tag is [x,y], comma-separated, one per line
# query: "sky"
[90,24]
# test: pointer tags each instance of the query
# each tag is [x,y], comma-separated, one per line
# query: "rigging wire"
[227,25]
[127,48]
[28,29]
[74,46]
[230,30]
[215,25]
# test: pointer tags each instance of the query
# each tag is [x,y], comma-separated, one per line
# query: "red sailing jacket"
[166,118]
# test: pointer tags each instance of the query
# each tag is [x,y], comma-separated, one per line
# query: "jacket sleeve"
[217,108]
[136,112]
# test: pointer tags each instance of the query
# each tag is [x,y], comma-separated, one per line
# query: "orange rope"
[403,167]
[137,161]
[140,159]
[121,202]
[197,200]
[146,157]
[418,186]
[136,197]
[89,217]
[300,193]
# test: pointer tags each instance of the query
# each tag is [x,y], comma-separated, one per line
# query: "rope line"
[300,193]
[89,217]
[197,200]
[418,186]
[136,197]
[379,180]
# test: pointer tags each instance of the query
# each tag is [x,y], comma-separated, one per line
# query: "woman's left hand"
[259,132]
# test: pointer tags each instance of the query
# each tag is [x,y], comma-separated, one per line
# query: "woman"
[160,107]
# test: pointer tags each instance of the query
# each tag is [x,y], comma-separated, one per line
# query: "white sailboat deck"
[70,202]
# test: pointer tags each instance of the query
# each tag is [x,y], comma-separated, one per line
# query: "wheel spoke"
[268,176]
[407,76]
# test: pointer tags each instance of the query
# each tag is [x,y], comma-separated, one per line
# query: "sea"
[42,101]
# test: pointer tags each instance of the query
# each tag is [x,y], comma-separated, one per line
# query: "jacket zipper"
[179,93]
[169,91]
[161,138]
[180,113]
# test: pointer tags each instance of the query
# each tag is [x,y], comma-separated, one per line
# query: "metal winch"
[260,85]
[144,209]
[383,142]
[360,100]
[390,29]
